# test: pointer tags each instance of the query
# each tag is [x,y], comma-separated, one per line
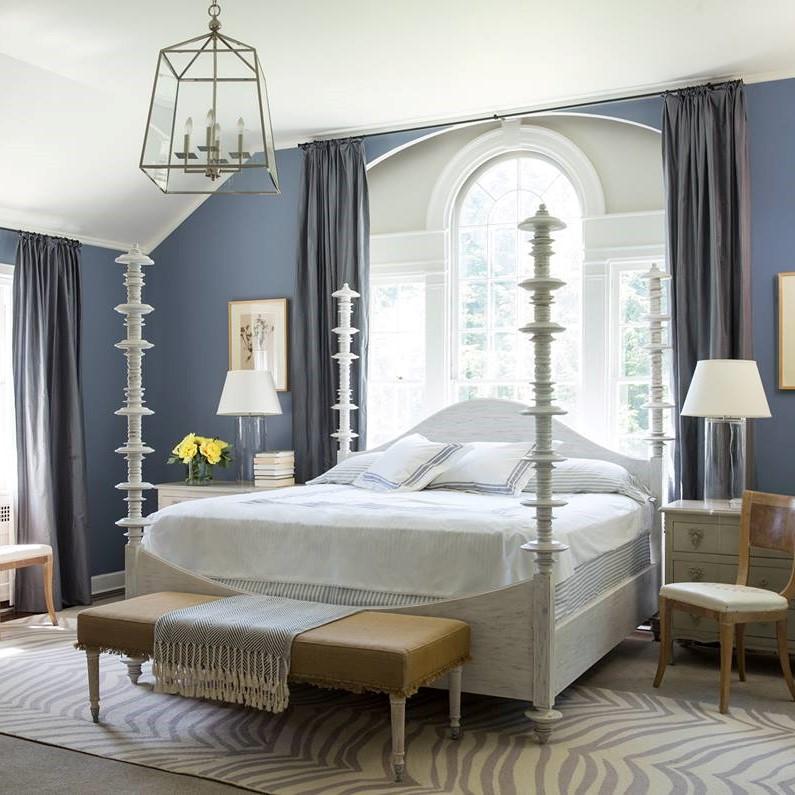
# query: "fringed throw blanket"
[235,649]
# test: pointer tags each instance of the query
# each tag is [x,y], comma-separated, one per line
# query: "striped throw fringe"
[235,649]
[222,673]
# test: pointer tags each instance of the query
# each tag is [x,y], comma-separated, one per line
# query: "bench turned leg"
[397,707]
[134,667]
[92,659]
[454,690]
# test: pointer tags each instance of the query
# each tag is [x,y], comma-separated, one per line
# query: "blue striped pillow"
[410,464]
[489,468]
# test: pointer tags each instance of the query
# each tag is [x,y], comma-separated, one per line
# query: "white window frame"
[452,270]
[615,269]
[611,241]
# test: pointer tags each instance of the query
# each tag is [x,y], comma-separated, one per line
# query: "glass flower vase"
[198,472]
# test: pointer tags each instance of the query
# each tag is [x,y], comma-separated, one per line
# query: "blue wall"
[771,119]
[771,122]
[102,374]
[230,248]
[239,247]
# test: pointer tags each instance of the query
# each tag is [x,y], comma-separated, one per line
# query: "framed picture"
[258,337]
[786,330]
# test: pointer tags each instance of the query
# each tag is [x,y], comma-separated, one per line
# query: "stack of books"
[274,469]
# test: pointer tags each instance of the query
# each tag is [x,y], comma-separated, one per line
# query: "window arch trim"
[514,137]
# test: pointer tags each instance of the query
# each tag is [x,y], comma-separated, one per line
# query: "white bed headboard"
[494,420]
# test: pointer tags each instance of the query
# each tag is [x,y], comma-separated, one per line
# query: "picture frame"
[258,337]
[786,330]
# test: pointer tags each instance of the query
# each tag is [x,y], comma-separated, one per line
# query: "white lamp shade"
[249,393]
[726,388]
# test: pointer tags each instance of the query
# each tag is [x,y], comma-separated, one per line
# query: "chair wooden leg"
[397,705]
[726,648]
[92,658]
[665,640]
[47,572]
[783,655]
[454,689]
[739,642]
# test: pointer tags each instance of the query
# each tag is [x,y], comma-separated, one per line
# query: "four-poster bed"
[520,648]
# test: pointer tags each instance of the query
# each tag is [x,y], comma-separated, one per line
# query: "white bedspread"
[433,543]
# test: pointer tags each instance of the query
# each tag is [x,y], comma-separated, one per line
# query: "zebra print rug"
[330,743]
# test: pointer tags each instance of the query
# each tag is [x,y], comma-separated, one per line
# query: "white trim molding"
[106,583]
[513,136]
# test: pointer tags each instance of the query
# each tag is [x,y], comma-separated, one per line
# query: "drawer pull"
[762,583]
[695,573]
[695,619]
[696,537]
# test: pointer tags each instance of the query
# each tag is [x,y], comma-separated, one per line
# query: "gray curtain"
[708,208]
[333,248]
[49,418]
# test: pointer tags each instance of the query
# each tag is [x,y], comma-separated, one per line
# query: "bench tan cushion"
[390,652]
[129,626]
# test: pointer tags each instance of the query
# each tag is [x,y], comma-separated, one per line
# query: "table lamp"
[249,395]
[725,392]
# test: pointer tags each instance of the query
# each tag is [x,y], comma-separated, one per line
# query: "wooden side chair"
[18,556]
[767,521]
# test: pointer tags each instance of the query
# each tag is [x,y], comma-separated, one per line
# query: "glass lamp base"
[250,441]
[724,459]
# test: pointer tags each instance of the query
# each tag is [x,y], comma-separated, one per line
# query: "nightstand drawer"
[701,571]
[696,537]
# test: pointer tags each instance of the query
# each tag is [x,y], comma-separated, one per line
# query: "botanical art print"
[258,337]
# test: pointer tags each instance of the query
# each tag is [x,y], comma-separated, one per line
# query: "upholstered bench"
[383,652]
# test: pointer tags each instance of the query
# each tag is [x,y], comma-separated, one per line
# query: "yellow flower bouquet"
[200,454]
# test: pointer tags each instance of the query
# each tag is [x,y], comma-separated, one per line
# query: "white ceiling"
[76,79]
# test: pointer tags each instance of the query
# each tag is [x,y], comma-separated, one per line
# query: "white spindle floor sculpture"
[134,409]
[344,405]
[542,329]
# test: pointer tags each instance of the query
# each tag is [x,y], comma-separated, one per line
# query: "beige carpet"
[610,740]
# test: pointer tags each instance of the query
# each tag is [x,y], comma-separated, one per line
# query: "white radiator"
[6,537]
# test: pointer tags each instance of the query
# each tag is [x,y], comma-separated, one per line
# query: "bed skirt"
[588,582]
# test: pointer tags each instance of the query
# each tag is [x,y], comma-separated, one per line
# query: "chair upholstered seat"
[724,597]
[13,553]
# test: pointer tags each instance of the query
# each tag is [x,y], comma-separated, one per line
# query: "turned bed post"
[541,330]
[134,449]
[657,405]
[344,405]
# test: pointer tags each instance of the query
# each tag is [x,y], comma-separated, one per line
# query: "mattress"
[589,581]
[340,542]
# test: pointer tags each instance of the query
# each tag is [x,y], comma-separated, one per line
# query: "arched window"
[490,357]
[445,308]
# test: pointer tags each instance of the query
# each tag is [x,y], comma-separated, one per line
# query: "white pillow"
[488,468]
[346,471]
[593,476]
[410,464]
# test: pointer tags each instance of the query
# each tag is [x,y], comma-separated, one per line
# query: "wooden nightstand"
[172,493]
[701,539]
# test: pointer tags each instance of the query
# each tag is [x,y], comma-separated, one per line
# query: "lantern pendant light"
[218,81]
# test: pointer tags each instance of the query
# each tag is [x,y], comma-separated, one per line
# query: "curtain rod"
[713,83]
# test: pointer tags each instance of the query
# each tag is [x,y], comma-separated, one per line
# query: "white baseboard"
[102,583]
